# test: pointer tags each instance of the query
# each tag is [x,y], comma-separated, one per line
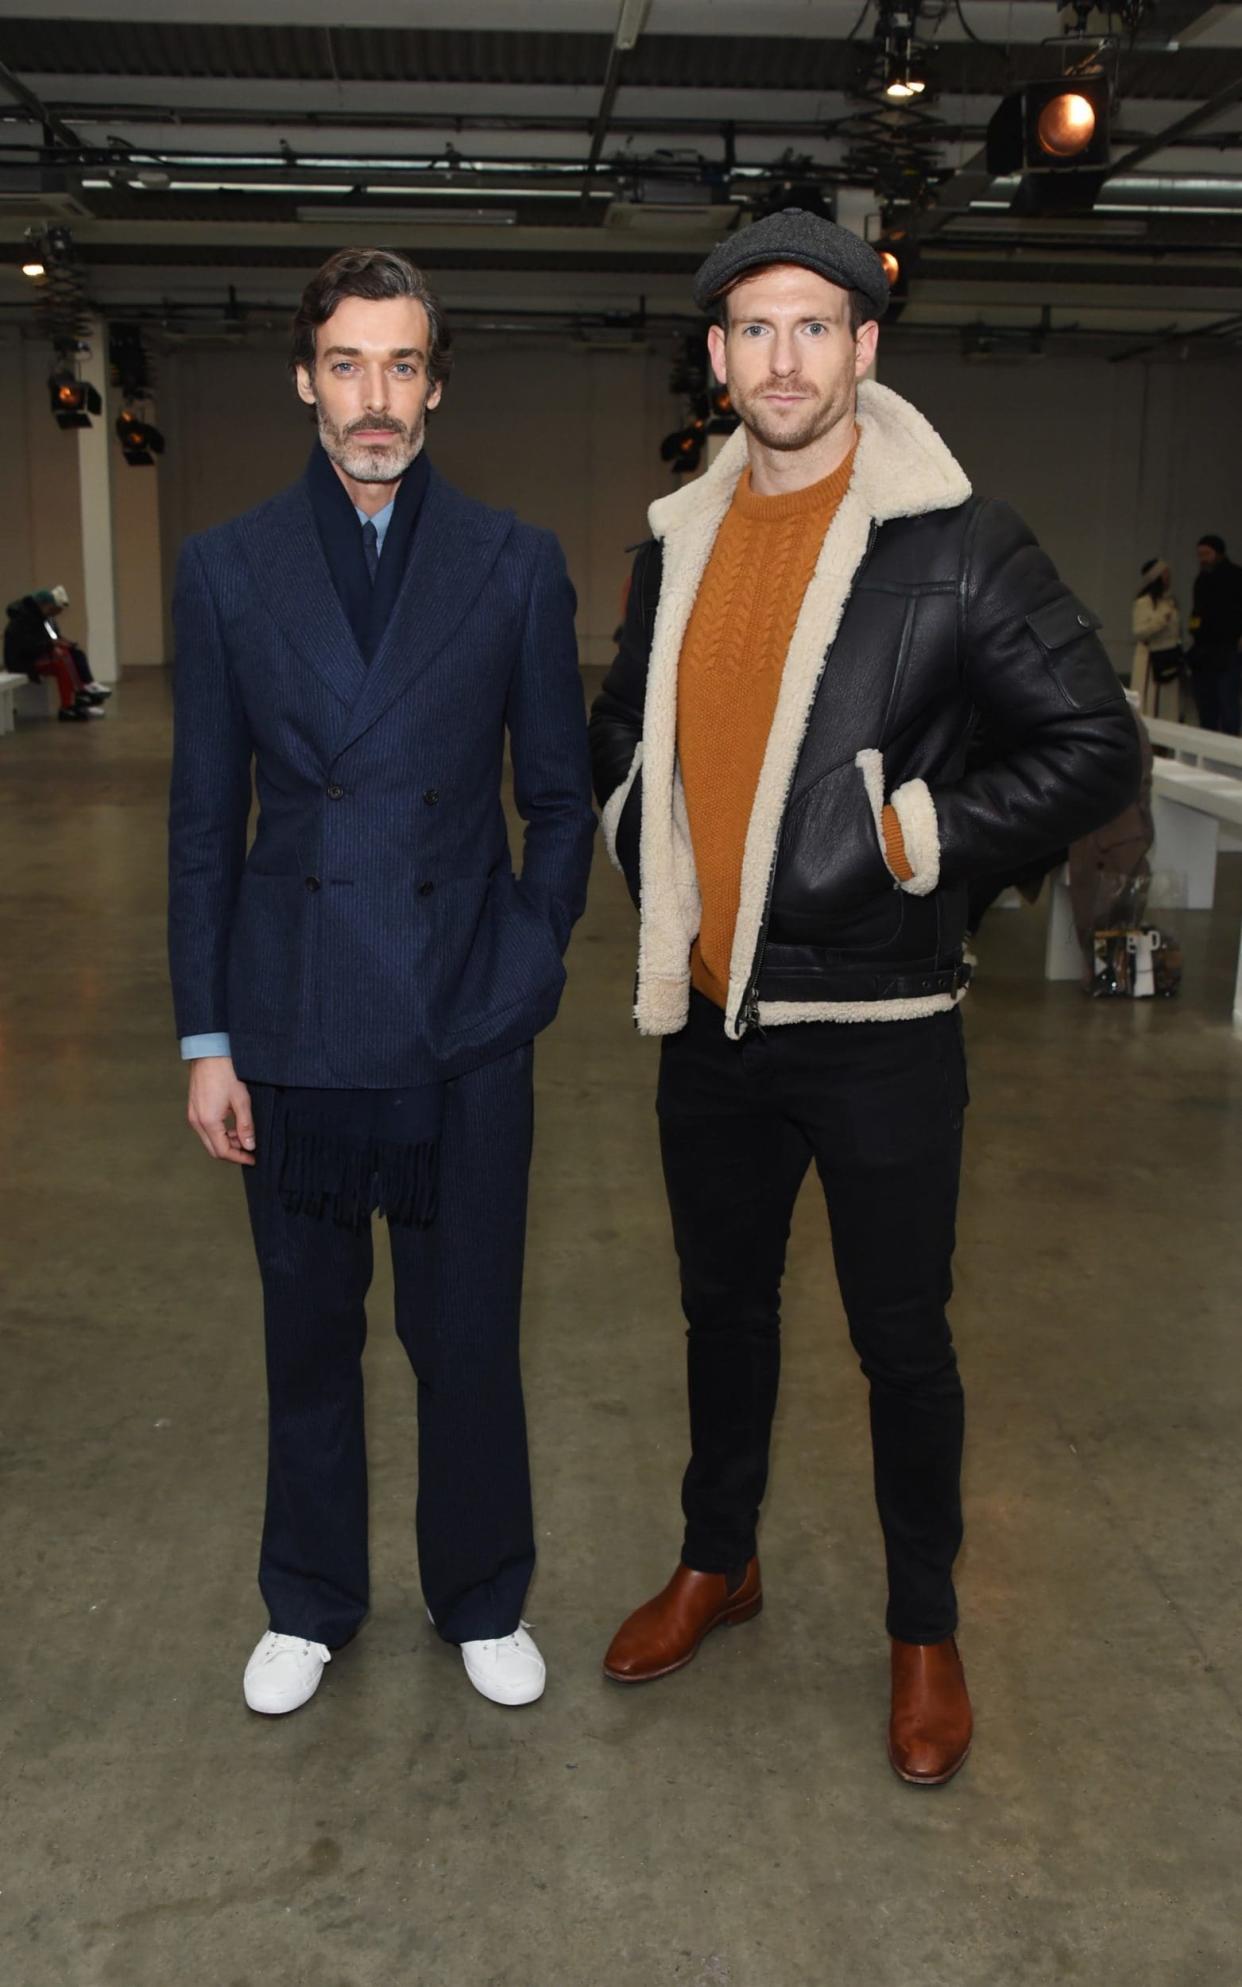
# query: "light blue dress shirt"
[194,1046]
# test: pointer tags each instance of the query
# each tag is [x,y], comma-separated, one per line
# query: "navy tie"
[370,548]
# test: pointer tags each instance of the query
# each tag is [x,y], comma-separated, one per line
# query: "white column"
[137,564]
[95,456]
[859,211]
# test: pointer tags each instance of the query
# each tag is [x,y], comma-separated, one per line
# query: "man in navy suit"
[358,994]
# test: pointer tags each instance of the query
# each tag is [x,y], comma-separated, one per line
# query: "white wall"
[1110,465]
[41,544]
[140,639]
[566,435]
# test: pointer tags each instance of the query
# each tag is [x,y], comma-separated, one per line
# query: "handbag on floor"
[1135,962]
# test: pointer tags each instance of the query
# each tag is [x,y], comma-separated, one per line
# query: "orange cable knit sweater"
[729,679]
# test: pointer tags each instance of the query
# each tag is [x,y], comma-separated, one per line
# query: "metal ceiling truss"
[925,167]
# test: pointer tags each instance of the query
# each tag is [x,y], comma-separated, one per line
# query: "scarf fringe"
[351,1179]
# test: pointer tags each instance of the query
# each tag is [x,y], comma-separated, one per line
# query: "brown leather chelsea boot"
[663,1634]
[930,1729]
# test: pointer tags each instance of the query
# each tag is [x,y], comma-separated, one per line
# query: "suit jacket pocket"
[510,967]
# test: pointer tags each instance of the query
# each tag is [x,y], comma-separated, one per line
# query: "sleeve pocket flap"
[1061,622]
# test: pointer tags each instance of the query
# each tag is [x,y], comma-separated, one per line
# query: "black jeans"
[458,1289]
[879,1108]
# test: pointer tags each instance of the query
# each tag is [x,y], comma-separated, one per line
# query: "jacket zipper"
[748,1013]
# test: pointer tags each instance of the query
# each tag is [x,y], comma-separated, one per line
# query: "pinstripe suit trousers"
[458,1300]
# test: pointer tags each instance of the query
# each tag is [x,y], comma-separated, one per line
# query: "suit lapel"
[286,558]
[455,547]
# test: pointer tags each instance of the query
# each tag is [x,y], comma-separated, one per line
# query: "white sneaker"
[283,1673]
[509,1671]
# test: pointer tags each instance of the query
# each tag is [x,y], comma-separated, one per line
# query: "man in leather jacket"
[779,750]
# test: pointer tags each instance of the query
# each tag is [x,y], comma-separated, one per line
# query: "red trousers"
[58,662]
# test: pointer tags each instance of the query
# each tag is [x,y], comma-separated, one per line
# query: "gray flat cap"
[793,235]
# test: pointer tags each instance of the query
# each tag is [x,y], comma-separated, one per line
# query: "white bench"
[9,687]
[38,700]
[1194,812]
[1194,746]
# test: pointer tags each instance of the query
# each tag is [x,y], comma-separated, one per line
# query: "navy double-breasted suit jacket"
[374,935]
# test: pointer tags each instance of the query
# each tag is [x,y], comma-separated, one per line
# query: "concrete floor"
[733,1826]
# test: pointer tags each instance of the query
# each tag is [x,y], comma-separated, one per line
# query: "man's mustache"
[374,428]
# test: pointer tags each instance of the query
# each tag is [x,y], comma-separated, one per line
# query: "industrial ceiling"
[573,160]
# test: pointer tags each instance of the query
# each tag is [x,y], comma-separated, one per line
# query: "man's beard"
[370,463]
[812,422]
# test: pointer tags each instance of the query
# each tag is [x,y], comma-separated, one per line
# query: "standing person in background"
[358,996]
[1157,627]
[1216,628]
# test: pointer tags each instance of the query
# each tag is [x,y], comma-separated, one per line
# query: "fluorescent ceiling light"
[630,22]
[1151,207]
[415,217]
[295,187]
[473,192]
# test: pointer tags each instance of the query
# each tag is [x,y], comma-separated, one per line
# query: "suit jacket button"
[312,883]
[431,796]
[336,793]
[425,889]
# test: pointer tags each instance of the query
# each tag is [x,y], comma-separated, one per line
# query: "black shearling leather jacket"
[948,615]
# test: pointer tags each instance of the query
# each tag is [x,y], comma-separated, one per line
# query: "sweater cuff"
[894,846]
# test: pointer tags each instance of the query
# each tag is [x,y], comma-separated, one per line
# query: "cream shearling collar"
[902,469]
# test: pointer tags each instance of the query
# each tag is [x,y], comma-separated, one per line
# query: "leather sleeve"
[617,719]
[1036,670]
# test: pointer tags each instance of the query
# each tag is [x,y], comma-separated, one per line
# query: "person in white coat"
[1157,627]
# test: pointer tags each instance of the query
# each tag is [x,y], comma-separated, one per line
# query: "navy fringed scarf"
[367,607]
[348,1154]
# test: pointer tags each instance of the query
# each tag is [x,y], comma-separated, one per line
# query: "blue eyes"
[343,366]
[760,330]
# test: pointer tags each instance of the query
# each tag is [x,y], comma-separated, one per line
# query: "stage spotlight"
[1056,136]
[68,393]
[899,59]
[140,441]
[683,450]
[897,261]
[1066,125]
[904,80]
[72,400]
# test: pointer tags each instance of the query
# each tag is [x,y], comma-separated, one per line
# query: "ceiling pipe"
[631,20]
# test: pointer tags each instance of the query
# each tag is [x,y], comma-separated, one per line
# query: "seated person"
[35,648]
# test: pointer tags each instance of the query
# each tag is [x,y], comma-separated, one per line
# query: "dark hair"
[1217,544]
[376,274]
[858,310]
